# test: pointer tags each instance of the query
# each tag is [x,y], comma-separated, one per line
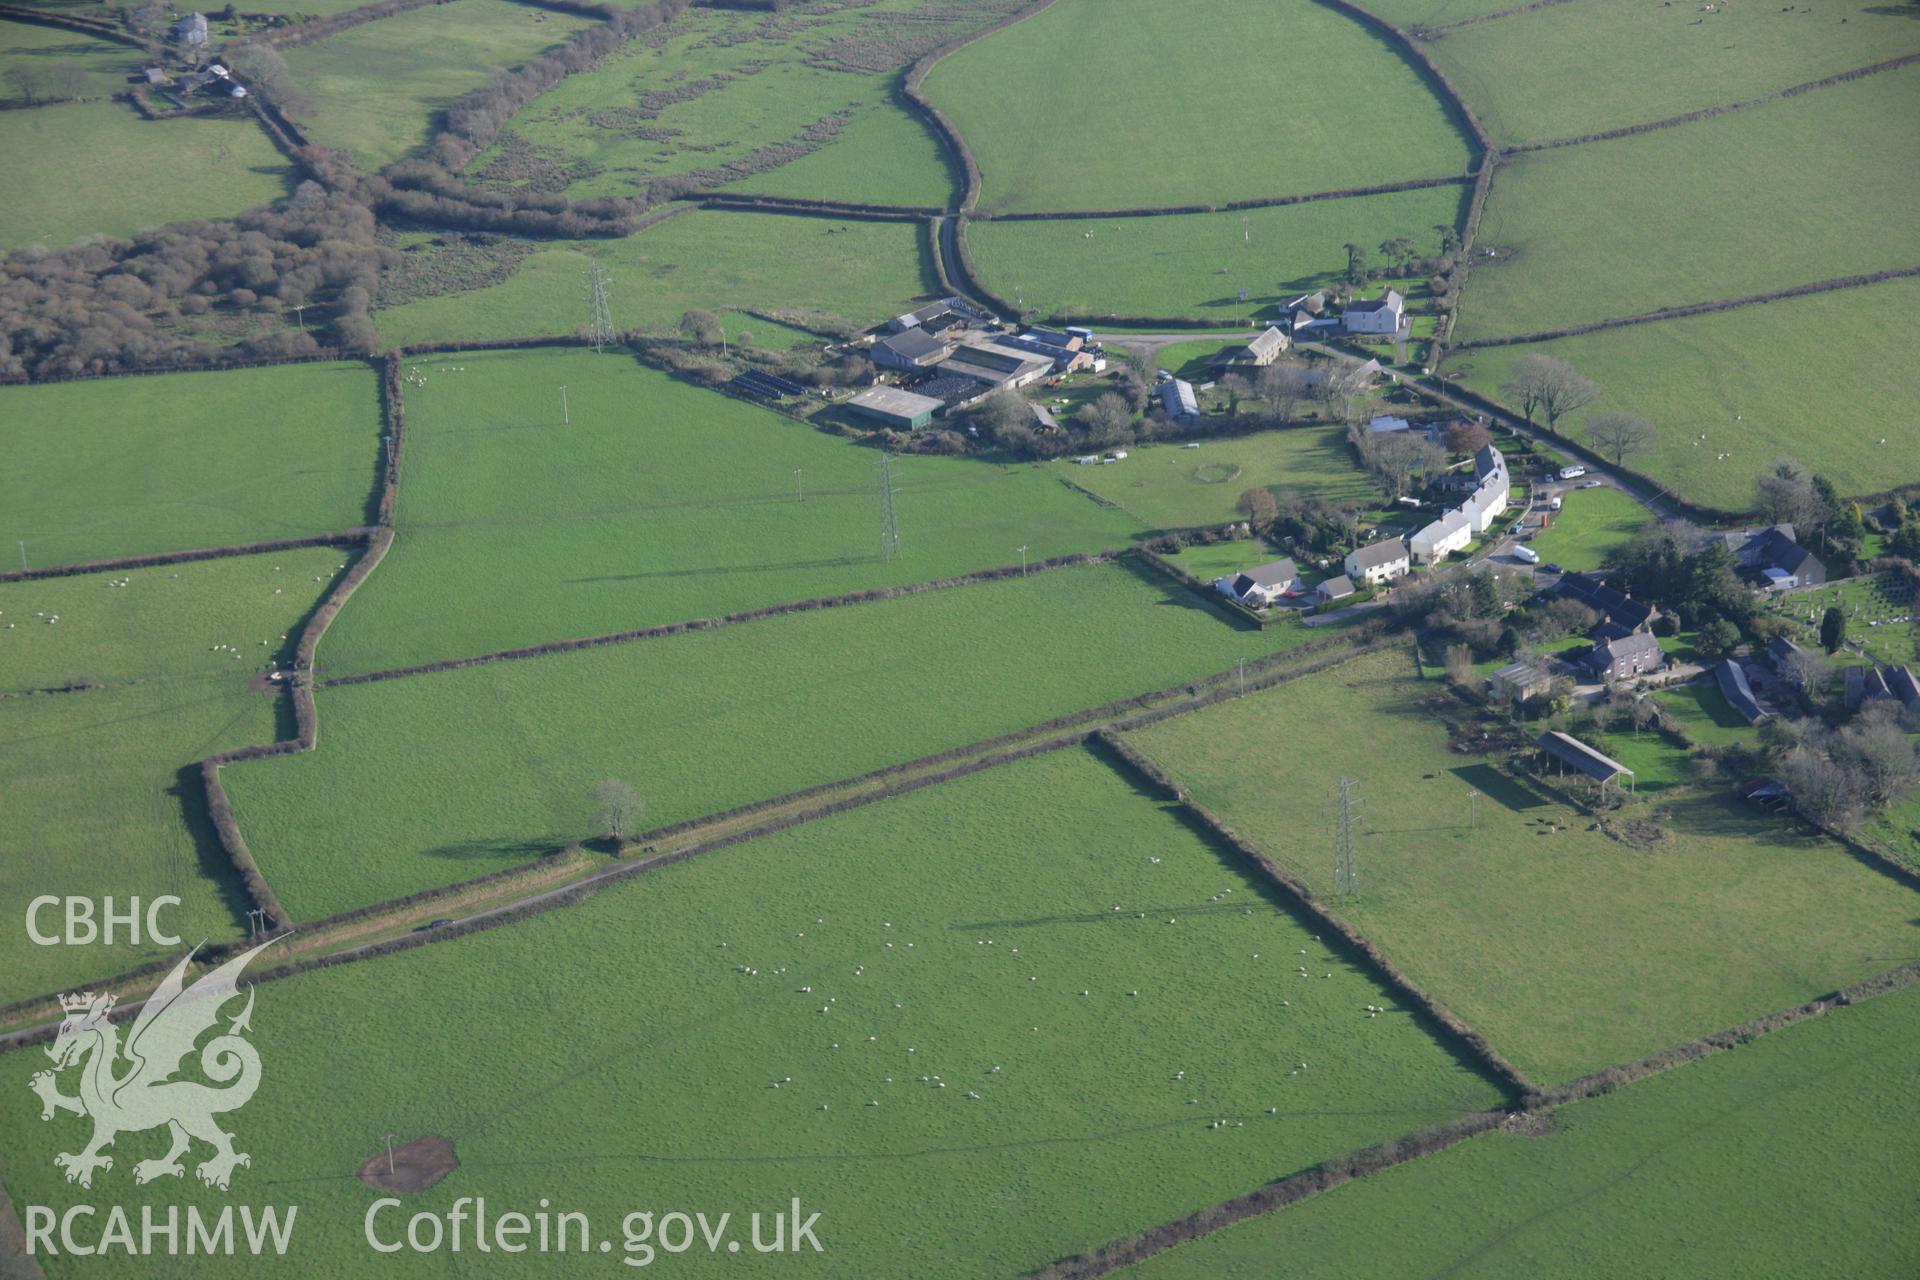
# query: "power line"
[1346,815]
[889,517]
[600,321]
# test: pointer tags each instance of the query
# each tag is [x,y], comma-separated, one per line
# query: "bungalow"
[1379,562]
[1176,396]
[1338,587]
[1624,657]
[995,364]
[911,351]
[1521,681]
[1260,587]
[890,406]
[1382,315]
[1257,354]
[1738,691]
[1570,753]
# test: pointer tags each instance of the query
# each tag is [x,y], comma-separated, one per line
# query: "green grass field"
[62,62]
[1407,14]
[862,272]
[1590,525]
[1724,376]
[1215,560]
[1573,69]
[103,789]
[450,775]
[1771,1159]
[886,914]
[1176,92]
[137,173]
[714,87]
[1705,715]
[131,466]
[660,502]
[1169,486]
[1569,951]
[1694,214]
[1198,264]
[376,89]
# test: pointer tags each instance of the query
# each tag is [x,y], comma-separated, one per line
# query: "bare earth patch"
[415,1167]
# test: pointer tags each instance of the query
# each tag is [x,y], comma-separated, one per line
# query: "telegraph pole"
[889,518]
[390,1136]
[1023,559]
[799,492]
[22,544]
[1243,677]
[300,314]
[565,417]
[1473,807]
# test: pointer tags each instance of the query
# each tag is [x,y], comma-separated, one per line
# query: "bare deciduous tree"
[1281,387]
[1552,388]
[1786,494]
[1620,436]
[25,79]
[617,807]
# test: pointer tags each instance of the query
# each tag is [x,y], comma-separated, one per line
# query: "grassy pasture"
[1569,951]
[660,502]
[52,53]
[102,795]
[131,466]
[449,775]
[1742,378]
[1573,69]
[136,173]
[1169,486]
[1590,525]
[860,271]
[882,156]
[1697,213]
[376,89]
[885,913]
[1175,89]
[1198,264]
[1771,1159]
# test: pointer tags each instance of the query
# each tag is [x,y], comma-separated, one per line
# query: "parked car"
[1554,505]
[1594,484]
[1526,555]
[1573,472]
[1551,567]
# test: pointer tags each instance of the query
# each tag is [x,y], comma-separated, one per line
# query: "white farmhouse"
[1378,562]
[1376,315]
[1450,533]
[1474,516]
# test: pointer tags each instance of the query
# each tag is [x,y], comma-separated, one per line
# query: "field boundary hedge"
[1074,560]
[334,23]
[1707,113]
[1422,33]
[1684,310]
[339,538]
[1230,206]
[799,206]
[326,355]
[1476,1045]
[68,22]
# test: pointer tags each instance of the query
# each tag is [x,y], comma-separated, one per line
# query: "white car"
[1594,484]
[1572,473]
[1526,555]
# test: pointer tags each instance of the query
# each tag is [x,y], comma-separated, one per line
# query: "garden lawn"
[1724,376]
[437,778]
[51,53]
[1568,70]
[130,466]
[861,272]
[1169,486]
[377,89]
[1772,1159]
[136,173]
[103,790]
[659,502]
[1174,88]
[951,934]
[1198,264]
[1699,213]
[1569,951]
[1705,716]
[1211,561]
[1590,525]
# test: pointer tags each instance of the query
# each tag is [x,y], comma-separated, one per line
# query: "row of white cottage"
[1473,517]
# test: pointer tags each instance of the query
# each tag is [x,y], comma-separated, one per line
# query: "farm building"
[940,315]
[1738,691]
[1388,425]
[1338,587]
[954,390]
[912,351]
[1615,607]
[1869,683]
[190,30]
[1257,354]
[996,365]
[1064,350]
[1378,562]
[1262,586]
[892,407]
[1382,315]
[1176,396]
[1772,557]
[1521,681]
[1569,753]
[1624,657]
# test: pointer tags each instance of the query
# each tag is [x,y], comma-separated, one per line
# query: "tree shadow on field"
[215,867]
[524,850]
[1175,596]
[1498,787]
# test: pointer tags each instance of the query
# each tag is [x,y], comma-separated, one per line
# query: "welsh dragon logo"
[129,1088]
